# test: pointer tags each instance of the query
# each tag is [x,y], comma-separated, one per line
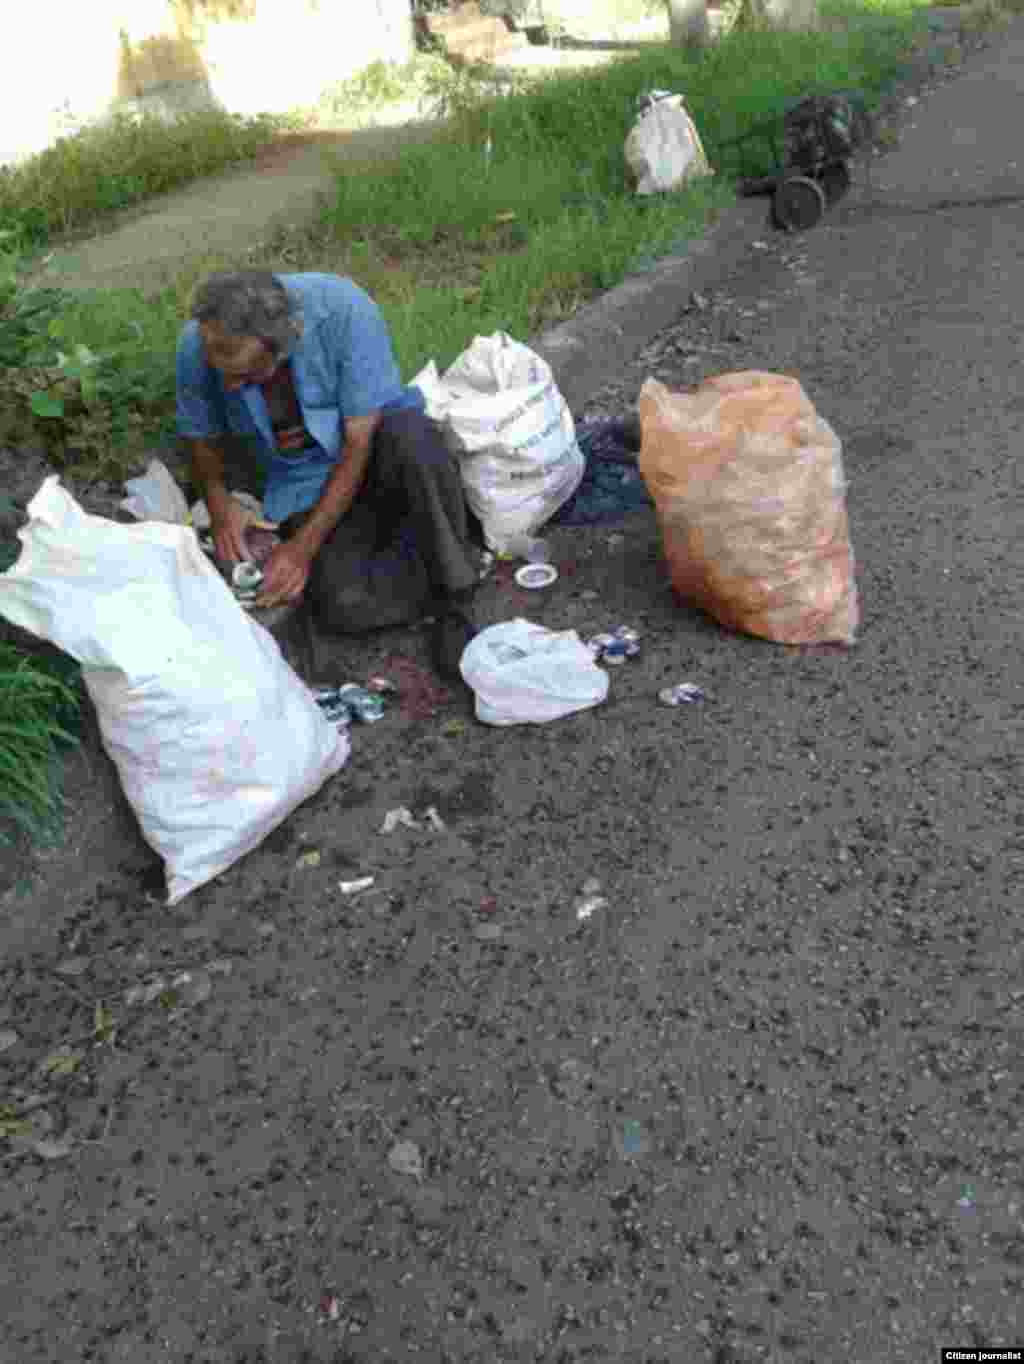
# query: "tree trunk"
[688,22]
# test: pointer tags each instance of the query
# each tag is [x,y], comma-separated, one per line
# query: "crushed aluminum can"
[616,646]
[334,708]
[598,643]
[629,638]
[366,706]
[246,578]
[354,887]
[615,653]
[683,694]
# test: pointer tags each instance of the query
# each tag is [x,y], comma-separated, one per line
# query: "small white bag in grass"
[663,149]
[512,431]
[215,738]
[526,674]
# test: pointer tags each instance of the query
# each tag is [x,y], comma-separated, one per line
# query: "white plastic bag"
[215,739]
[513,432]
[155,496]
[663,149]
[525,674]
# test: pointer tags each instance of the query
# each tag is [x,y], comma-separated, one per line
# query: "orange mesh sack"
[748,484]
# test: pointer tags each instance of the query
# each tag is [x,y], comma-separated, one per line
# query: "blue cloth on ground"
[611,486]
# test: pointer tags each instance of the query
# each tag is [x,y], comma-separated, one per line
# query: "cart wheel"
[835,180]
[798,204]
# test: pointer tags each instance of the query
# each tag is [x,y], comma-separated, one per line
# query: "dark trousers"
[406,541]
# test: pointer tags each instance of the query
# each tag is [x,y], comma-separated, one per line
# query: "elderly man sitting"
[368,497]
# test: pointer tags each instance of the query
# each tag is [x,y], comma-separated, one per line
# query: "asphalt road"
[764,1104]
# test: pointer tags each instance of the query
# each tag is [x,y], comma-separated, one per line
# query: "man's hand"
[285,574]
[228,520]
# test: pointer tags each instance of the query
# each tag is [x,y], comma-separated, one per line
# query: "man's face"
[240,360]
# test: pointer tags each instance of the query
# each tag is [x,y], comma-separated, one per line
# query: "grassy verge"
[39,701]
[81,179]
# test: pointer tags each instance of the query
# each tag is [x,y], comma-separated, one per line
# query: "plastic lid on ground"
[536,575]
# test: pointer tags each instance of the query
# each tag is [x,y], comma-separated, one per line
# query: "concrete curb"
[590,347]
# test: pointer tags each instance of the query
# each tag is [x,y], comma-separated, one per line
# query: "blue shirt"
[343,366]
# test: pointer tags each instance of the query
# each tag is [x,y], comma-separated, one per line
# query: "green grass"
[81,179]
[39,703]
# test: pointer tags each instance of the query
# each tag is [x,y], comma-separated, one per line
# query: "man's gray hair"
[250,303]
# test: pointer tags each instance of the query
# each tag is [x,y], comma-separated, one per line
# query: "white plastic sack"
[156,496]
[513,433]
[663,149]
[525,674]
[215,739]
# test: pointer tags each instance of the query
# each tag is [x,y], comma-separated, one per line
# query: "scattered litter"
[104,1025]
[487,932]
[489,904]
[52,1150]
[589,906]
[309,859]
[405,1159]
[533,576]
[615,646]
[341,705]
[330,1307]
[366,706]
[13,1126]
[633,1140]
[354,887]
[146,994]
[63,1061]
[401,817]
[453,728]
[8,1039]
[683,693]
[74,966]
[968,1198]
[192,987]
[434,820]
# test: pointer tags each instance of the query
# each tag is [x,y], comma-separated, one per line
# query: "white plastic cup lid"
[536,575]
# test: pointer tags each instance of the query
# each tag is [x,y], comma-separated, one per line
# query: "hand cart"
[812,147]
